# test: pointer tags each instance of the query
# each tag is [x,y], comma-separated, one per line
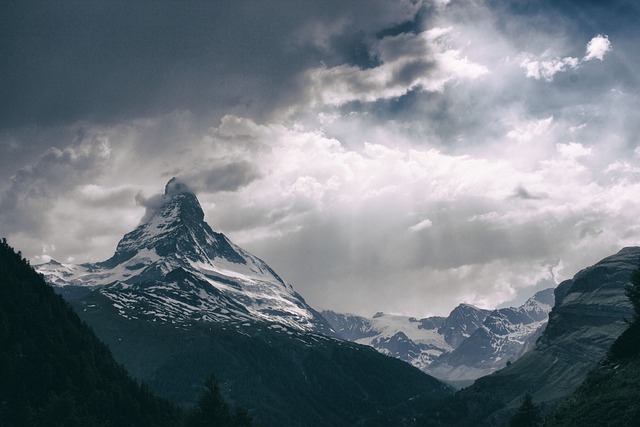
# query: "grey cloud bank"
[394,156]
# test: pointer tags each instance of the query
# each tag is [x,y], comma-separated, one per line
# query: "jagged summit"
[174,266]
[462,321]
[174,231]
[181,201]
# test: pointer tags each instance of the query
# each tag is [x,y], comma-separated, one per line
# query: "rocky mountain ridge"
[504,336]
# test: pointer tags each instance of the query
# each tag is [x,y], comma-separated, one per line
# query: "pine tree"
[628,343]
[528,414]
[632,290]
[212,410]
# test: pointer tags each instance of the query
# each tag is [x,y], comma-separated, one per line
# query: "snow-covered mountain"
[465,345]
[416,341]
[461,323]
[173,267]
[504,336]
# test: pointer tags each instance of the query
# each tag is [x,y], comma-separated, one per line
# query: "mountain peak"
[175,187]
[173,228]
[179,201]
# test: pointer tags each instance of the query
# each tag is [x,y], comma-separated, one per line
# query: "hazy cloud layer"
[395,156]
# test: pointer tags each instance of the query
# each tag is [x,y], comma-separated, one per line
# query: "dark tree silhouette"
[628,343]
[528,414]
[632,290]
[53,369]
[212,410]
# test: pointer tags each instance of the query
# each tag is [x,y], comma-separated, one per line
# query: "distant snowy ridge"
[415,341]
[173,267]
[469,343]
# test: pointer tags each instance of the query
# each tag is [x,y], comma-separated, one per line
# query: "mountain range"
[174,268]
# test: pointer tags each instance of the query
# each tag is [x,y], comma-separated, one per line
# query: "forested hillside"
[53,369]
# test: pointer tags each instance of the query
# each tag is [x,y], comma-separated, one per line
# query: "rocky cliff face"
[582,326]
[589,315]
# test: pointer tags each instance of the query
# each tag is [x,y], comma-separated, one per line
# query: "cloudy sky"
[398,156]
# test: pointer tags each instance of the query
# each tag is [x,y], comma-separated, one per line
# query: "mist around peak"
[154,203]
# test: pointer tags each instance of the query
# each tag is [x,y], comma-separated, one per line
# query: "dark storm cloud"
[112,60]
[24,146]
[468,114]
[105,199]
[220,175]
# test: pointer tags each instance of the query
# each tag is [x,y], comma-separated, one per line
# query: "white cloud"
[573,150]
[545,68]
[538,68]
[597,47]
[474,187]
[334,220]
[577,128]
[527,131]
[424,224]
[354,205]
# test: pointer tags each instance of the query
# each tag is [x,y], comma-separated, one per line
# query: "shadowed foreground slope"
[609,395]
[54,371]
